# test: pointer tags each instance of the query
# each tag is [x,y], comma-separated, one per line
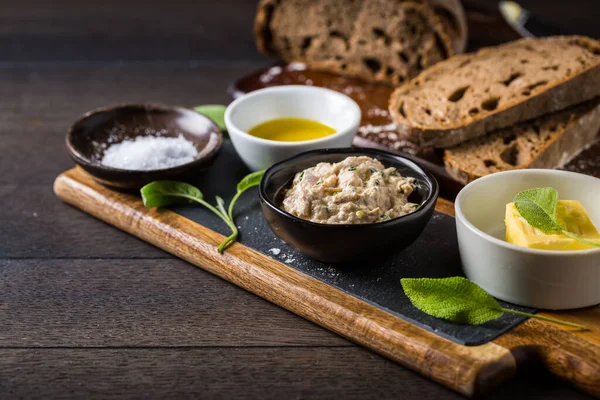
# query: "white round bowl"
[293,101]
[545,279]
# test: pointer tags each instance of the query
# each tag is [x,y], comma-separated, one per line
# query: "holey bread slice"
[388,41]
[468,96]
[550,141]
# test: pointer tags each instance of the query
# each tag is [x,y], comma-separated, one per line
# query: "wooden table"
[89,311]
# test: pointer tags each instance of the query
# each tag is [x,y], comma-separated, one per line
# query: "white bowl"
[529,277]
[293,101]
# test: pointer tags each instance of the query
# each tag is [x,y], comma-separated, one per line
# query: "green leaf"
[456,299]
[250,180]
[247,182]
[164,193]
[546,198]
[538,207]
[216,112]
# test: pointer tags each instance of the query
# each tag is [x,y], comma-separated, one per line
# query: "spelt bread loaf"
[387,41]
[468,96]
[550,141]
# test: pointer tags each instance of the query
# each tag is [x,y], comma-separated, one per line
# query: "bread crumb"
[367,129]
[275,251]
[295,66]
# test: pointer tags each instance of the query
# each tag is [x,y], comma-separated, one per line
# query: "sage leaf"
[164,193]
[457,299]
[546,198]
[538,207]
[216,112]
[250,180]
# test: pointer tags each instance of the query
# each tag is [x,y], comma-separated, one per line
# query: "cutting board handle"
[564,353]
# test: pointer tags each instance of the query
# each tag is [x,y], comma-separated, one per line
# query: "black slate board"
[434,254]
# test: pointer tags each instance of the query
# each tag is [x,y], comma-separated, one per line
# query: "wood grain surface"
[468,370]
[232,373]
[132,30]
[39,234]
[464,369]
[88,311]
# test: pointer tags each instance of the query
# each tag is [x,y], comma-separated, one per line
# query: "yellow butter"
[570,214]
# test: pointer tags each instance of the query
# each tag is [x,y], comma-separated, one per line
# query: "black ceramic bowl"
[89,137]
[346,243]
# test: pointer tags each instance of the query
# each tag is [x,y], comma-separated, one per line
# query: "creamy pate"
[357,190]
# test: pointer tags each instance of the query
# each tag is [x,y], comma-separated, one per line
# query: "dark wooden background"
[88,311]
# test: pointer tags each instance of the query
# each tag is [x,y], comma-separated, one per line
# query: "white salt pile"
[150,152]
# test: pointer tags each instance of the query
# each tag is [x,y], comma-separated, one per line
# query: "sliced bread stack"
[388,41]
[529,103]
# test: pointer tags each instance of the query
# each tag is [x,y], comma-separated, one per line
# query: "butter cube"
[570,214]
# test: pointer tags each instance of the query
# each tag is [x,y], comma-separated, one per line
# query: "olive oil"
[291,130]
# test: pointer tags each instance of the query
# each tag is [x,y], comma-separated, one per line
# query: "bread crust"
[444,18]
[556,95]
[261,26]
[457,30]
[465,162]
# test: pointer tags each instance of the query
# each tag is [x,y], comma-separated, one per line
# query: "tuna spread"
[357,190]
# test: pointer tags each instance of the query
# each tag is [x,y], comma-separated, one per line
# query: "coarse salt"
[146,153]
[275,251]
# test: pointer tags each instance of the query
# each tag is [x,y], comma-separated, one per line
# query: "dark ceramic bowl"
[346,243]
[89,137]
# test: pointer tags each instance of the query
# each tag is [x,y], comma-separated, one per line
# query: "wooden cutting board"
[571,355]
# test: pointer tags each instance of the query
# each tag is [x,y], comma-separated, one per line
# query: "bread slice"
[387,41]
[547,142]
[468,96]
